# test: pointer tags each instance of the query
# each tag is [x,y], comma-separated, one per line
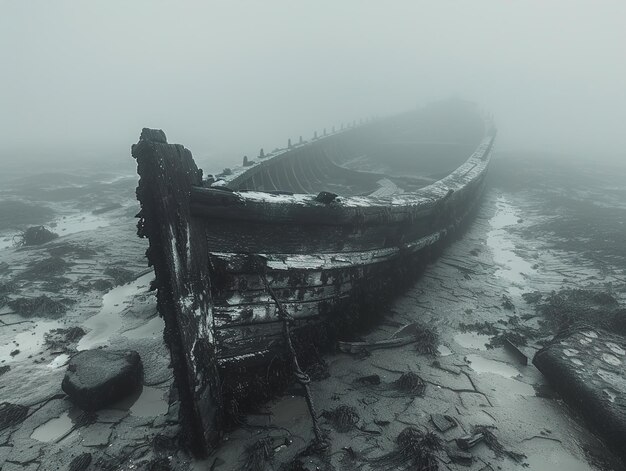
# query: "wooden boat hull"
[333,263]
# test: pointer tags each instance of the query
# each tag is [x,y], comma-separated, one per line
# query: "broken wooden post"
[178,251]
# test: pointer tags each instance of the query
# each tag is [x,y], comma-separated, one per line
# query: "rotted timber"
[332,263]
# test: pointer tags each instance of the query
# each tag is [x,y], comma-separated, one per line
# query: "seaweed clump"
[494,444]
[569,308]
[343,418]
[5,289]
[35,235]
[414,450]
[120,275]
[410,382]
[46,269]
[41,306]
[12,414]
[427,339]
[258,455]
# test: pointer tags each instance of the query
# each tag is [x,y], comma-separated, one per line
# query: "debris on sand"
[494,444]
[40,306]
[410,382]
[532,298]
[35,235]
[6,288]
[567,308]
[101,285]
[342,418]
[484,328]
[318,371]
[467,442]
[258,455]
[507,303]
[63,340]
[120,275]
[97,378]
[443,422]
[414,450]
[81,462]
[416,332]
[46,269]
[513,349]
[12,414]
[426,338]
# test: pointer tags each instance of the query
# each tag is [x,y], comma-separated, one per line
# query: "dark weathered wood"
[586,366]
[332,264]
[179,253]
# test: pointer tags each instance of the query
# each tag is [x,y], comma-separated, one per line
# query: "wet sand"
[480,278]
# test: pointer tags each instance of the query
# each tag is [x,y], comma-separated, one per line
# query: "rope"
[301,377]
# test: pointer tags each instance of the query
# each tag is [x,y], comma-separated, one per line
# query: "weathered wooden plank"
[261,313]
[305,210]
[244,299]
[179,254]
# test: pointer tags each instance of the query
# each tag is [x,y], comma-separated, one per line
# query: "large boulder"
[98,378]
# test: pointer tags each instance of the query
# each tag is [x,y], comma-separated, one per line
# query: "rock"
[97,378]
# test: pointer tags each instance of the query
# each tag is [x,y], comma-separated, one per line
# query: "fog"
[80,79]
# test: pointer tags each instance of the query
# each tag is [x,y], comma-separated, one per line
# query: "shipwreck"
[261,268]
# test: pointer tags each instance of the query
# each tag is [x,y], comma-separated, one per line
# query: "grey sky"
[80,79]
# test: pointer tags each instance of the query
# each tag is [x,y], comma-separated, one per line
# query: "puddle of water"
[28,342]
[483,365]
[512,267]
[444,351]
[555,459]
[59,361]
[108,321]
[472,340]
[151,403]
[54,429]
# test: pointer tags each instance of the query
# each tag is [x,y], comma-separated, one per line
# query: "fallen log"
[586,367]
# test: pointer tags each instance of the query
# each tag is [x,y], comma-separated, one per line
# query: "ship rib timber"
[331,261]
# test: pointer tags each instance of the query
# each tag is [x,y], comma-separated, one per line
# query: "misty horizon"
[224,80]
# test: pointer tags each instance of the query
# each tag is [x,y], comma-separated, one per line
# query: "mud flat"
[487,287]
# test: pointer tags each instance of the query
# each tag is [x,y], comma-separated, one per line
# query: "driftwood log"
[586,367]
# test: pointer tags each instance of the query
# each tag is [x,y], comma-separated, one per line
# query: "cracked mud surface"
[478,290]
